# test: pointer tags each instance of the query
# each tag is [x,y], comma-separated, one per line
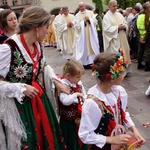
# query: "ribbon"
[41,119]
[78,89]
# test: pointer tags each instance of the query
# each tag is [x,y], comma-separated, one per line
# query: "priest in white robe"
[87,46]
[114,31]
[66,30]
[55,24]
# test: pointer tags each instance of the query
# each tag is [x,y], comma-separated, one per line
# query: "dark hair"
[96,10]
[146,7]
[5,6]
[34,16]
[64,8]
[3,20]
[102,63]
[136,8]
[73,67]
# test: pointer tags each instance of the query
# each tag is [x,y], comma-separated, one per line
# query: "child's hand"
[139,138]
[118,139]
[79,94]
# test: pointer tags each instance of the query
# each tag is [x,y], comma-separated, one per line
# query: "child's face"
[75,79]
[119,79]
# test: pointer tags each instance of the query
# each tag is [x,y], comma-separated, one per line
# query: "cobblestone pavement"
[135,84]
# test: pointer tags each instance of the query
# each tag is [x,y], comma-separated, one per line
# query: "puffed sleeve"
[10,90]
[68,99]
[5,57]
[90,118]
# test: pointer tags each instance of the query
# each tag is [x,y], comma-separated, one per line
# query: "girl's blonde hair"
[34,16]
[74,68]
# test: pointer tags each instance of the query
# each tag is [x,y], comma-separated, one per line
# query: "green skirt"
[70,135]
[26,114]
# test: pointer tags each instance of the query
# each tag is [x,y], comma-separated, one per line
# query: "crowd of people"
[115,29]
[41,110]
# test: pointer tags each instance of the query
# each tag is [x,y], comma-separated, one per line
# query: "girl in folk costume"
[104,112]
[71,105]
[8,24]
[27,118]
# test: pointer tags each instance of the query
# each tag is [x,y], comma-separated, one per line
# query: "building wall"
[50,5]
[19,6]
[72,4]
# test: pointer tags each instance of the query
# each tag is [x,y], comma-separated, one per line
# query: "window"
[24,1]
[15,2]
[4,1]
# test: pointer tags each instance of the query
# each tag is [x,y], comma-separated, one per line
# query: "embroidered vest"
[20,70]
[71,112]
[107,122]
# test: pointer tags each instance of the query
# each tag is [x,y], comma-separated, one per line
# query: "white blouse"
[91,114]
[68,99]
[15,90]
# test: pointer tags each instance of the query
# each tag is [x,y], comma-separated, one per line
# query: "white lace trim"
[10,117]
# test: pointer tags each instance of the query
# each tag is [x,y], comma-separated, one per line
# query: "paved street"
[135,84]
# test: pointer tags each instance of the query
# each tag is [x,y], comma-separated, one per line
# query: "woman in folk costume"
[28,120]
[104,113]
[71,105]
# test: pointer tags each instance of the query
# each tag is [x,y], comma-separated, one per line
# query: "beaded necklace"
[32,55]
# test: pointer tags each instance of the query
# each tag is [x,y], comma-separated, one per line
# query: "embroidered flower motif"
[119,66]
[20,72]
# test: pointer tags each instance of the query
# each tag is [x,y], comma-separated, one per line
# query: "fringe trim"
[15,130]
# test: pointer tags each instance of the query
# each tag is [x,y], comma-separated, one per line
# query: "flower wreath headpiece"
[116,69]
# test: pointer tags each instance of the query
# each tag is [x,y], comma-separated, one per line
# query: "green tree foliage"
[99,4]
[126,3]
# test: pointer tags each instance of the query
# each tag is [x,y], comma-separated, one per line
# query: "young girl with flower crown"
[70,105]
[104,113]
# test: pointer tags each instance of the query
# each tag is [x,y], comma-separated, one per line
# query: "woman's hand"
[61,87]
[30,91]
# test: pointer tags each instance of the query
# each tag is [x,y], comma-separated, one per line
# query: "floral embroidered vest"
[20,70]
[107,122]
[72,111]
